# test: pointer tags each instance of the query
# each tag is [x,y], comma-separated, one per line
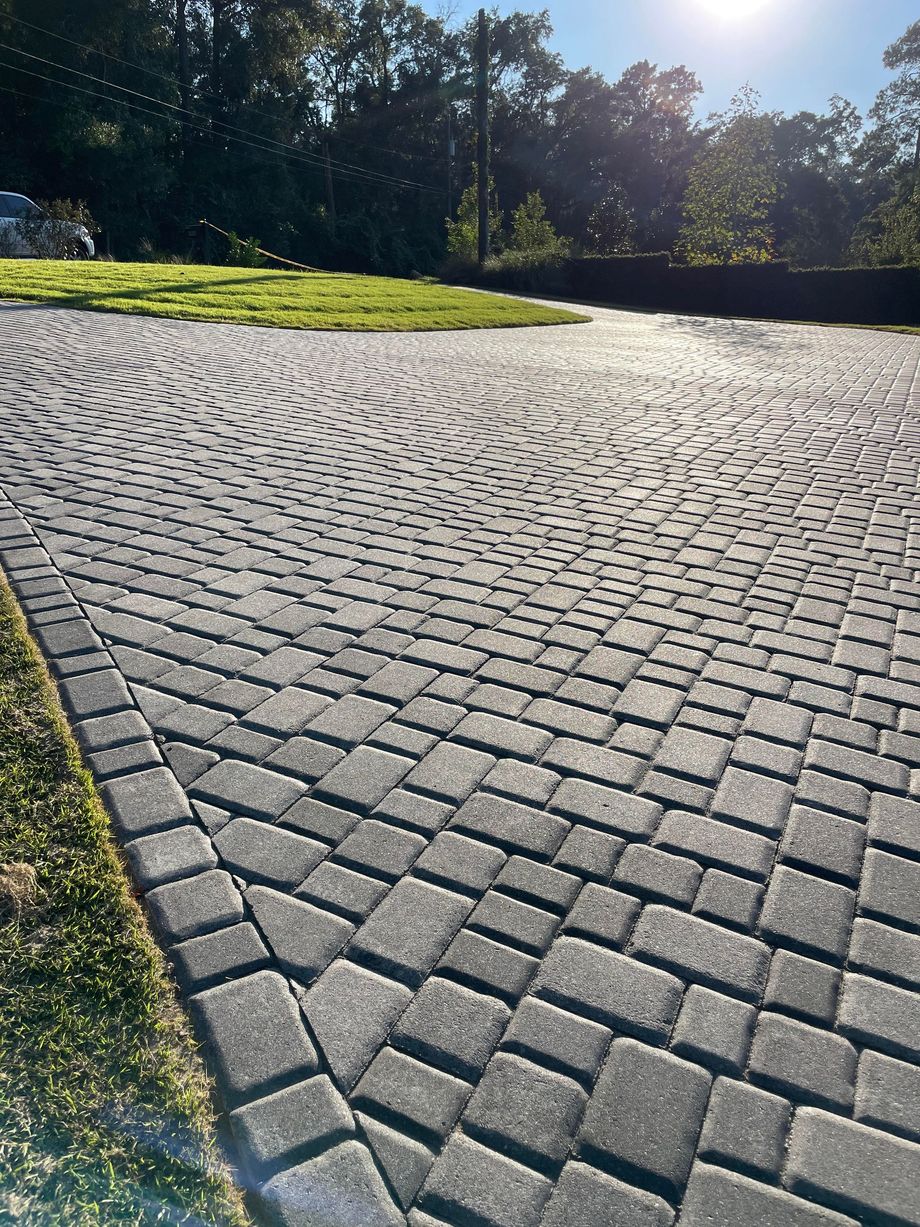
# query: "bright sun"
[733,9]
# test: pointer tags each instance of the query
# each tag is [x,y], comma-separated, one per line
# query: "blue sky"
[797,53]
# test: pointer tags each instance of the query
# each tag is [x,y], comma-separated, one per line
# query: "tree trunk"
[217,31]
[185,92]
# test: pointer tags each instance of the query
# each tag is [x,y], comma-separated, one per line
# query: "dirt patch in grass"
[105,1113]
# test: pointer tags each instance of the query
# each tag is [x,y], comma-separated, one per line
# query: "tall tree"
[732,189]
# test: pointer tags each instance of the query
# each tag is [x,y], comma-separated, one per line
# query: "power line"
[351,176]
[197,89]
[249,158]
[265,140]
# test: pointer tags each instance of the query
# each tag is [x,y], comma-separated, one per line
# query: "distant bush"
[243,253]
[540,271]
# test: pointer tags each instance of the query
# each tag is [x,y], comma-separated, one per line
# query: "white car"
[15,208]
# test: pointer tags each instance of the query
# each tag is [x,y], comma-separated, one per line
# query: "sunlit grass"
[264,296]
[104,1109]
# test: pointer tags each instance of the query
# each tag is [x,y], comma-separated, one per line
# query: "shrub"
[463,232]
[542,271]
[243,253]
[532,233]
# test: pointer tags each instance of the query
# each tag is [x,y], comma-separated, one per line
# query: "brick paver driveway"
[545,847]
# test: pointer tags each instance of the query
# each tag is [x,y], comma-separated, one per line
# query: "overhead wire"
[265,141]
[197,89]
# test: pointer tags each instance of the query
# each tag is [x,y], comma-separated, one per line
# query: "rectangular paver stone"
[697,950]
[645,1115]
[255,1035]
[853,1168]
[609,988]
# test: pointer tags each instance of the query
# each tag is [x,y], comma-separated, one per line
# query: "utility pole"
[330,194]
[482,125]
[184,70]
[450,162]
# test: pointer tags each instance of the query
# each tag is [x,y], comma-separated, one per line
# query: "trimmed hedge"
[766,291]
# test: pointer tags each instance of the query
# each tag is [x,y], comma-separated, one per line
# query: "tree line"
[342,133]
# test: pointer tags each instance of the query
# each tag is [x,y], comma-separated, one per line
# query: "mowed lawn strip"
[104,1108]
[336,301]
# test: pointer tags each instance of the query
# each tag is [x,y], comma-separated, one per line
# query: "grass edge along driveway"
[327,301]
[105,1114]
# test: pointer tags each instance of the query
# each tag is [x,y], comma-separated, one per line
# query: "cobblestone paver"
[516,737]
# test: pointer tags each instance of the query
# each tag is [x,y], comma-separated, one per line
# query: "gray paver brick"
[609,988]
[344,1177]
[591,762]
[254,1035]
[399,1088]
[715,843]
[802,1062]
[351,1011]
[585,1195]
[606,808]
[818,842]
[195,905]
[202,962]
[645,1115]
[890,889]
[853,1168]
[478,1185]
[717,1198]
[881,1015]
[245,789]
[178,853]
[698,950]
[410,929]
[145,802]
[713,1030]
[888,1094]
[451,1027]
[802,987]
[807,913]
[303,938]
[525,1111]
[753,800]
[558,1040]
[450,772]
[309,1114]
[260,852]
[889,953]
[745,1129]
[488,966]
[513,827]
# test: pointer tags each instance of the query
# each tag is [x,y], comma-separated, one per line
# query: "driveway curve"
[515,737]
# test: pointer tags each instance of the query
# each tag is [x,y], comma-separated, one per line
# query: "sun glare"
[733,10]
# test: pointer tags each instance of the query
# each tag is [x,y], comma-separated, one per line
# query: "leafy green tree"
[732,188]
[463,231]
[897,107]
[890,234]
[532,231]
[611,228]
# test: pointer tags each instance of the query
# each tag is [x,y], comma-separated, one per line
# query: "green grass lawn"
[104,1109]
[263,296]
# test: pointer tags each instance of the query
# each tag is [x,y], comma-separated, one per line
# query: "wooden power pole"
[330,192]
[482,125]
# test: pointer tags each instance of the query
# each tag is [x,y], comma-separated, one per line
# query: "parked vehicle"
[26,230]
